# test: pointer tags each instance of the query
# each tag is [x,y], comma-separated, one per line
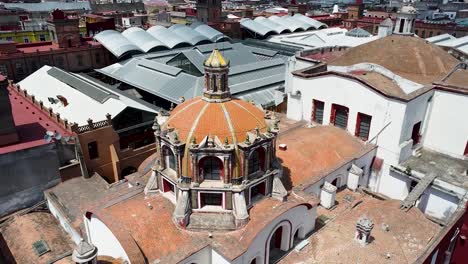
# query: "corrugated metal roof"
[255,27]
[167,37]
[159,67]
[189,35]
[209,32]
[316,24]
[49,6]
[89,90]
[171,83]
[278,28]
[117,44]
[143,40]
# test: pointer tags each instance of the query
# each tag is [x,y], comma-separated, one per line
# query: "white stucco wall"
[438,204]
[299,217]
[415,112]
[101,236]
[54,210]
[202,256]
[448,127]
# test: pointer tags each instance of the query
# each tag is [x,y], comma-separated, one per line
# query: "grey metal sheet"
[278,28]
[142,39]
[255,27]
[255,66]
[189,35]
[116,43]
[159,67]
[264,97]
[316,24]
[209,32]
[86,88]
[166,36]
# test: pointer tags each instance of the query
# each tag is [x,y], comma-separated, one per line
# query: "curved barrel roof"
[209,32]
[189,35]
[256,27]
[143,40]
[167,37]
[116,43]
[278,28]
[278,25]
[137,40]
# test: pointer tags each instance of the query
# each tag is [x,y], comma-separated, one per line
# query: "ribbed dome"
[231,119]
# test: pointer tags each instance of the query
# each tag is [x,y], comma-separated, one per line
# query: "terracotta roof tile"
[314,152]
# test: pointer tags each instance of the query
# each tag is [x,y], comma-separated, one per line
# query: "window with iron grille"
[317,113]
[363,124]
[339,116]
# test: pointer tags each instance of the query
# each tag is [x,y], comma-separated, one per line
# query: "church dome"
[198,118]
[412,58]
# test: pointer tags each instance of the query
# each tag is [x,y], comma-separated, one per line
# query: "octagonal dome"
[198,118]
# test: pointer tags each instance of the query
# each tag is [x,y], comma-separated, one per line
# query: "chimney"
[364,227]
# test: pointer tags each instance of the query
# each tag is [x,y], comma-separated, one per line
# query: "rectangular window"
[42,38]
[3,69]
[466,150]
[97,57]
[363,123]
[93,150]
[26,40]
[339,116]
[317,112]
[211,199]
[415,136]
[79,59]
[9,38]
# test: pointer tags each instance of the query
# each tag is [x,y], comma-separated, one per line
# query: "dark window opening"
[211,168]
[363,124]
[93,150]
[257,191]
[339,116]
[211,199]
[415,136]
[317,112]
[402,24]
[465,153]
[256,160]
[167,186]
[412,185]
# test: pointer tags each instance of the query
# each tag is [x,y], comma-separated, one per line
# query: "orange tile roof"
[408,236]
[205,118]
[153,234]
[312,153]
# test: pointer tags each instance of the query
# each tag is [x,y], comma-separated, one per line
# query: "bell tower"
[64,31]
[216,78]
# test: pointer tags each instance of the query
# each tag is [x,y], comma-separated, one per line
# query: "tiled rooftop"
[313,153]
[407,236]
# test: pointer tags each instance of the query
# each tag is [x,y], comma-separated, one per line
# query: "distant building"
[66,50]
[209,10]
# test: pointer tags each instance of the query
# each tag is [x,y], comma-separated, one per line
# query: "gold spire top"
[216,60]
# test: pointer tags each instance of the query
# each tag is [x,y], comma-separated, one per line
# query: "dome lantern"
[216,78]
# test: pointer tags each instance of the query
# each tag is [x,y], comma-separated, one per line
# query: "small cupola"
[216,78]
[405,21]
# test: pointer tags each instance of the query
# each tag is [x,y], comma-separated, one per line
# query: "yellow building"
[31,36]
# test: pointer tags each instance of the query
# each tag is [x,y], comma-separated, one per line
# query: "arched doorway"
[211,168]
[298,235]
[278,243]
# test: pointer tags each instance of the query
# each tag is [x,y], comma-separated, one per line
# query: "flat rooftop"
[31,124]
[446,168]
[407,237]
[313,153]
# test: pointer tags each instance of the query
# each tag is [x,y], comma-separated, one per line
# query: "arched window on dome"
[211,168]
[256,160]
[169,158]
